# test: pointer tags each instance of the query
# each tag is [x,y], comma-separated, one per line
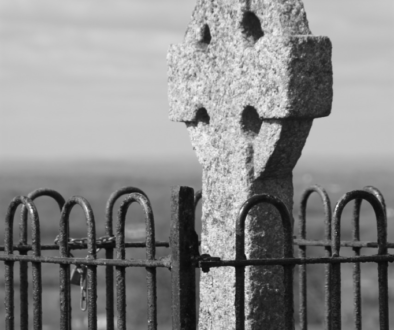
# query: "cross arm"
[186,86]
[289,77]
[280,76]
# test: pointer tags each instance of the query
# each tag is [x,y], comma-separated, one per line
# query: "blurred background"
[83,110]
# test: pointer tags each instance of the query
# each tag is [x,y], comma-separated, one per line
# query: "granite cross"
[248,81]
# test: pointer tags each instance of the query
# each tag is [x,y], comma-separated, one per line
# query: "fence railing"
[332,259]
[180,260]
[184,258]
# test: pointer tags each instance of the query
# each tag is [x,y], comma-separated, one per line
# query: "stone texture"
[248,81]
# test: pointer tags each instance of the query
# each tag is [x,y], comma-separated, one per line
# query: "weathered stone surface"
[247,81]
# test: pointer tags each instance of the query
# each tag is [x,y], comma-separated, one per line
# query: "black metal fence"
[184,258]
[180,260]
[332,259]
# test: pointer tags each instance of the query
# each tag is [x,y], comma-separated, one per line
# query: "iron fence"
[184,258]
[180,260]
[332,259]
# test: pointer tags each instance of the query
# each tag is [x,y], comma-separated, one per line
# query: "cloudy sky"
[86,79]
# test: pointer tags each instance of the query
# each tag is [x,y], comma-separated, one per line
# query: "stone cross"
[248,81]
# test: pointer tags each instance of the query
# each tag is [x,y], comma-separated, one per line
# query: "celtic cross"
[248,81]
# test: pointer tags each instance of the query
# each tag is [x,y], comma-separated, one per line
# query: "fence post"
[184,247]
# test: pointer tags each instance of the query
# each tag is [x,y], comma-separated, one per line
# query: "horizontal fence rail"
[184,258]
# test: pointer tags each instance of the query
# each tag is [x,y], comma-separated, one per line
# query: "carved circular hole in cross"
[250,121]
[205,35]
[202,116]
[251,27]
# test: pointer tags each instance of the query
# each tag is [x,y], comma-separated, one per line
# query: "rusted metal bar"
[356,266]
[240,256]
[23,276]
[382,251]
[9,265]
[109,251]
[184,252]
[161,263]
[24,301]
[9,295]
[150,254]
[65,306]
[351,244]
[382,266]
[104,245]
[209,263]
[302,253]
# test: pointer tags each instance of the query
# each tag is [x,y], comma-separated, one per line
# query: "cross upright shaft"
[248,81]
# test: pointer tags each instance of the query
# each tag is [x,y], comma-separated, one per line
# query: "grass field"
[96,181]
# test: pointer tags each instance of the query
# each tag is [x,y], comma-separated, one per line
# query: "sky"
[87,79]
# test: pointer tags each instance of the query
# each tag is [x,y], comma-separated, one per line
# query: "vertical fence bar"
[303,311]
[302,253]
[37,296]
[356,267]
[336,296]
[92,270]
[64,270]
[121,297]
[184,245]
[92,297]
[382,266]
[121,271]
[287,270]
[150,255]
[109,272]
[109,286]
[9,267]
[240,297]
[240,270]
[37,289]
[9,295]
[381,215]
[23,275]
[336,267]
[383,296]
